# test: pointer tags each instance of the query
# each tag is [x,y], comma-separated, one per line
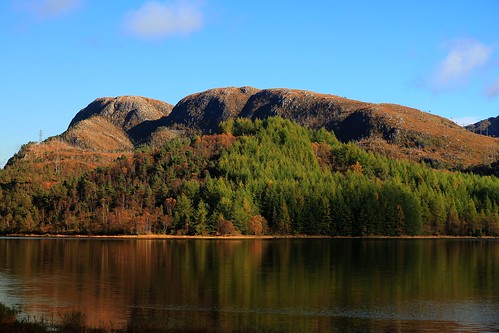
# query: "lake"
[269,285]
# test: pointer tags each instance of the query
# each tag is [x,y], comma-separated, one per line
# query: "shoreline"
[235,237]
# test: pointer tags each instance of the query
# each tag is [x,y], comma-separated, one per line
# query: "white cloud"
[160,19]
[464,57]
[47,8]
[493,90]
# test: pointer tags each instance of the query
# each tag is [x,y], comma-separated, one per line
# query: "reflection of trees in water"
[280,284]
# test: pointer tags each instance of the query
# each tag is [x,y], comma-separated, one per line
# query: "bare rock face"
[307,108]
[204,111]
[124,111]
[115,123]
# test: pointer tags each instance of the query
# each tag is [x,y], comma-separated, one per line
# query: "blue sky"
[59,55]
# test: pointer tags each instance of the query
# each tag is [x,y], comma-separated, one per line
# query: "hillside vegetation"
[268,176]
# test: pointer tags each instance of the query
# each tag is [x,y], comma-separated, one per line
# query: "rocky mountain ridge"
[109,127]
[489,127]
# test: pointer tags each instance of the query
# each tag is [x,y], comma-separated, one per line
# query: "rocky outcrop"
[204,111]
[128,114]
[306,108]
[124,111]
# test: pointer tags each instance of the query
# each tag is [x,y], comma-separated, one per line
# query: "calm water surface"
[289,285]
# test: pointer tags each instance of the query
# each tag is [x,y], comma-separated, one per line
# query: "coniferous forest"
[263,177]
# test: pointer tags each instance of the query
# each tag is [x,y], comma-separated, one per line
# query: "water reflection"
[267,284]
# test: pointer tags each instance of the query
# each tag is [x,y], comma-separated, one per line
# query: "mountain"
[393,130]
[489,127]
[110,127]
[106,129]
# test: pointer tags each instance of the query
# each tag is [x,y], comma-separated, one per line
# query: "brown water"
[288,285]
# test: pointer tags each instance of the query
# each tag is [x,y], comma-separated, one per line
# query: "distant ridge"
[489,127]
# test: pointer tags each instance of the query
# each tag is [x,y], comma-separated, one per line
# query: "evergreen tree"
[183,214]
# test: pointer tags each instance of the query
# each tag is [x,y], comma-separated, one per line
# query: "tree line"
[255,177]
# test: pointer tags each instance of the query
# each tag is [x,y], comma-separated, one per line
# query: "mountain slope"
[126,113]
[97,133]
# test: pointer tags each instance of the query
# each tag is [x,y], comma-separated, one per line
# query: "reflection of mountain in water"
[261,284]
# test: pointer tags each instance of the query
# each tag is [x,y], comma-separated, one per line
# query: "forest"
[262,177]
